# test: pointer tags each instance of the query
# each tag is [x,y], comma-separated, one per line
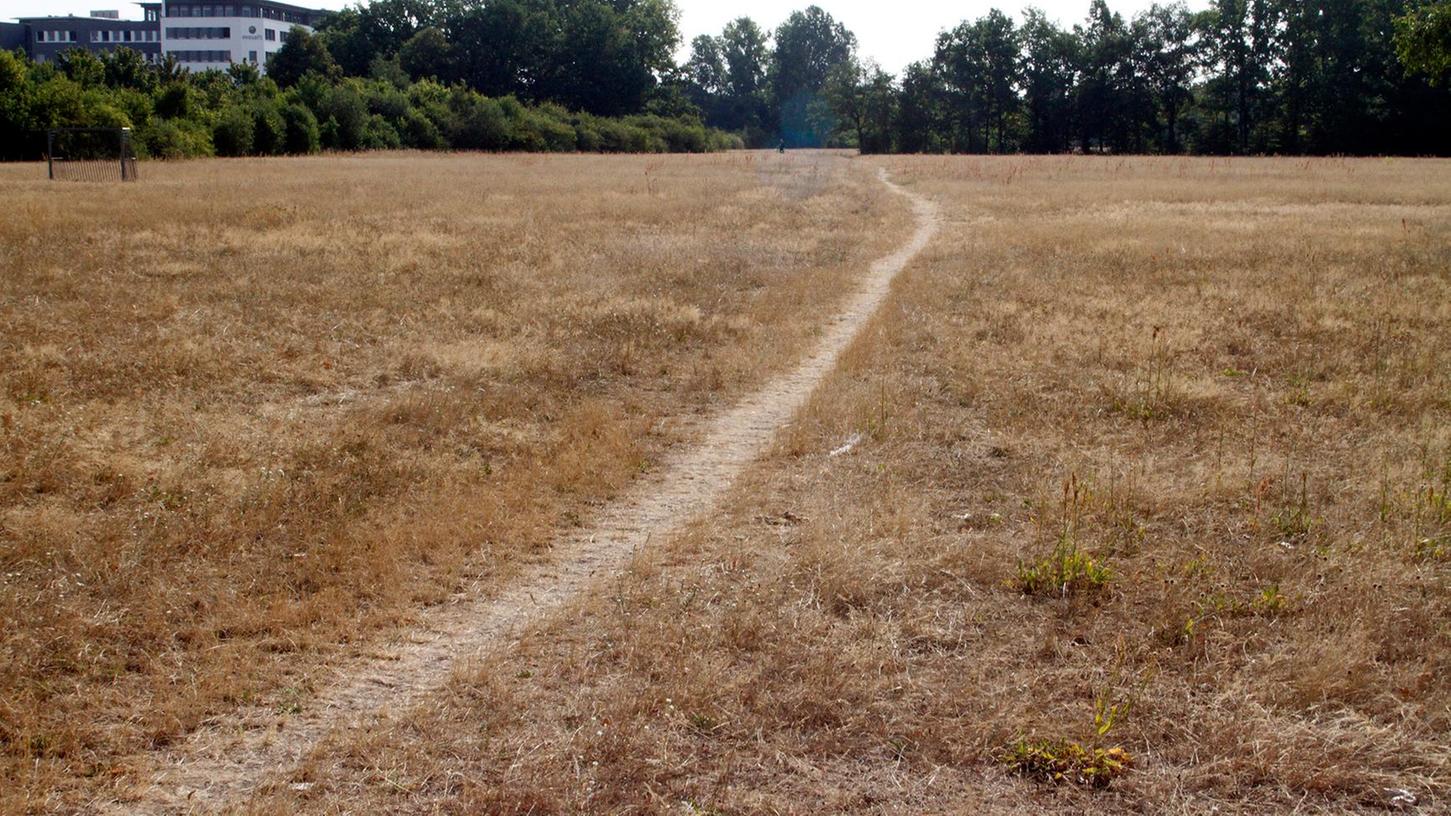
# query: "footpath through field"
[225,762]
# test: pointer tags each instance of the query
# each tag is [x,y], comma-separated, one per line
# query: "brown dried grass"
[255,412]
[1226,381]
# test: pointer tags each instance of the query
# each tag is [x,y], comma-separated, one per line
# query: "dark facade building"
[45,37]
[12,36]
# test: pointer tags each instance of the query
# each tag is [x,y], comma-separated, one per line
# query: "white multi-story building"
[204,35]
[200,35]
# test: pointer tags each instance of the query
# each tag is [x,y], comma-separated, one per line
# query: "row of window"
[125,36]
[264,12]
[55,36]
[198,33]
[202,56]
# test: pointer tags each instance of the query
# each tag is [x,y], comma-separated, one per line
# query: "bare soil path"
[225,762]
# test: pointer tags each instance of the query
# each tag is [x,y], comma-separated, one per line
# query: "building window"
[272,35]
[252,57]
[202,56]
[199,33]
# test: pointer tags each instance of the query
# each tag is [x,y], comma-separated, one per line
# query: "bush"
[418,131]
[620,137]
[479,123]
[1068,571]
[379,134]
[174,139]
[233,133]
[542,131]
[677,135]
[302,134]
[269,129]
[238,113]
[587,138]
[344,116]
[176,101]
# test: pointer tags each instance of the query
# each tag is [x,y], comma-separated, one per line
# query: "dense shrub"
[477,122]
[344,115]
[302,130]
[546,130]
[379,134]
[233,133]
[239,112]
[177,100]
[418,131]
[269,129]
[174,139]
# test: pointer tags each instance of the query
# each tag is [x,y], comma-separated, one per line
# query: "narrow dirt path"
[225,762]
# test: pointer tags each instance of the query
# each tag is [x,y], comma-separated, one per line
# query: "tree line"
[1236,77]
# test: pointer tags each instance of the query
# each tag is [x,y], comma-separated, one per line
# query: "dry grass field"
[1148,510]
[258,413]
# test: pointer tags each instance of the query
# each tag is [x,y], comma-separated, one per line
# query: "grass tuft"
[1063,762]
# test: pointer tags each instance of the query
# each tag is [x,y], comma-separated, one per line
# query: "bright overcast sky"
[894,32]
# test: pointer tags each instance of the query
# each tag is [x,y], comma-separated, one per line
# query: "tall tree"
[301,54]
[1423,40]
[1048,59]
[864,101]
[706,68]
[746,52]
[1099,103]
[809,45]
[979,62]
[747,56]
[1169,59]
[919,110]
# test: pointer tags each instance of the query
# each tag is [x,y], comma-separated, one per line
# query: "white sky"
[894,32]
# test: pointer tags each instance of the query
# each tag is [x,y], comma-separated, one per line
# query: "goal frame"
[125,154]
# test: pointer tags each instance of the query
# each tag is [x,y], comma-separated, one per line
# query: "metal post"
[125,139]
[50,154]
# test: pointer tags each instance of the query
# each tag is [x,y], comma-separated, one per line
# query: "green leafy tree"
[1049,55]
[810,44]
[919,110]
[300,55]
[706,68]
[1169,61]
[979,63]
[1423,40]
[127,68]
[427,54]
[233,133]
[269,129]
[864,100]
[746,51]
[302,135]
[82,67]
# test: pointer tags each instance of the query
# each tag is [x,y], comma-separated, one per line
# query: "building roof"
[157,6]
[78,17]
